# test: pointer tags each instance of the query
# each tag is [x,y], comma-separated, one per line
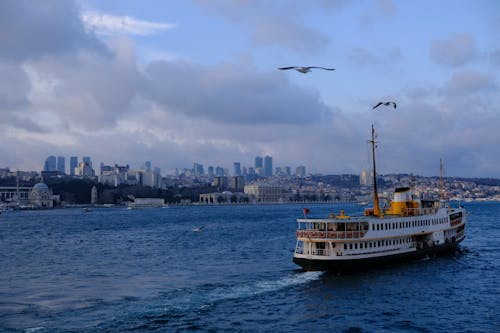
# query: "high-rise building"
[87,160]
[258,162]
[366,178]
[198,169]
[268,166]
[237,183]
[219,172]
[300,171]
[73,164]
[211,172]
[147,165]
[236,169]
[61,164]
[50,164]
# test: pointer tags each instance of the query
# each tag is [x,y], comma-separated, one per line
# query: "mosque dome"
[40,187]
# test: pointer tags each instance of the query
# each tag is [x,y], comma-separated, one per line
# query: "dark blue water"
[115,270]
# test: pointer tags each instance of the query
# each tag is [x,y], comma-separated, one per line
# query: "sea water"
[118,270]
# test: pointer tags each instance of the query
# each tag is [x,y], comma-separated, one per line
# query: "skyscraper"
[87,160]
[258,162]
[73,163]
[61,164]
[236,169]
[50,164]
[268,166]
[198,169]
[300,171]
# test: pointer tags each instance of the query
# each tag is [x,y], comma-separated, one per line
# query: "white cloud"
[454,51]
[110,25]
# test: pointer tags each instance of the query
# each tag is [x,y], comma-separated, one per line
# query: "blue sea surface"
[118,270]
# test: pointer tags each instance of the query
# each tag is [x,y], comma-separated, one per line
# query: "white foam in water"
[261,287]
[202,299]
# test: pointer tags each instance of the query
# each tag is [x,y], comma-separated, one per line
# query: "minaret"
[93,196]
[17,188]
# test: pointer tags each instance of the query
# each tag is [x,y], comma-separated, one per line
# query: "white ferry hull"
[351,264]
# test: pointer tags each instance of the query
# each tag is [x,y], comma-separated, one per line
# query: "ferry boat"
[409,228]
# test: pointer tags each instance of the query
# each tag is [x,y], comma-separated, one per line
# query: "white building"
[41,196]
[267,193]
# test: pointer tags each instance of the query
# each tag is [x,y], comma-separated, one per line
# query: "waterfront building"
[15,195]
[223,197]
[41,196]
[267,193]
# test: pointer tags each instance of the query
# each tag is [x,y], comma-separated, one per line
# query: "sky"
[183,81]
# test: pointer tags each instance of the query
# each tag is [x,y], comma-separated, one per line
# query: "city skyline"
[262,166]
[183,81]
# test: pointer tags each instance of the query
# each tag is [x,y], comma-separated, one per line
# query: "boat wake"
[182,302]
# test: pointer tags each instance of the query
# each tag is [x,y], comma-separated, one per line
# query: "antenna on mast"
[376,208]
[441,187]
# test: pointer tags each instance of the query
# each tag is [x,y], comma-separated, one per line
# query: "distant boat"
[409,228]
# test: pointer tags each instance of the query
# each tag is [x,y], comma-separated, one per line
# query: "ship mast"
[376,208]
[441,188]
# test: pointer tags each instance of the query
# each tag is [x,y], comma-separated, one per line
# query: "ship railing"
[320,252]
[419,211]
[299,250]
[319,234]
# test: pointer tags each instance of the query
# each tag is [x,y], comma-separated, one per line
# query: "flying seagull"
[304,70]
[384,103]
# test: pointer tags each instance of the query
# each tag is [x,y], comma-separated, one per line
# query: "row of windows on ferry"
[375,244]
[363,226]
[408,224]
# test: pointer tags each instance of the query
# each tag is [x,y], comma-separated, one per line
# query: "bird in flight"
[384,103]
[304,70]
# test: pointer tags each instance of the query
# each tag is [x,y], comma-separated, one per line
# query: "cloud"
[14,88]
[364,57]
[387,7]
[289,34]
[32,29]
[231,93]
[495,57]
[455,51]
[467,82]
[109,25]
[269,27]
